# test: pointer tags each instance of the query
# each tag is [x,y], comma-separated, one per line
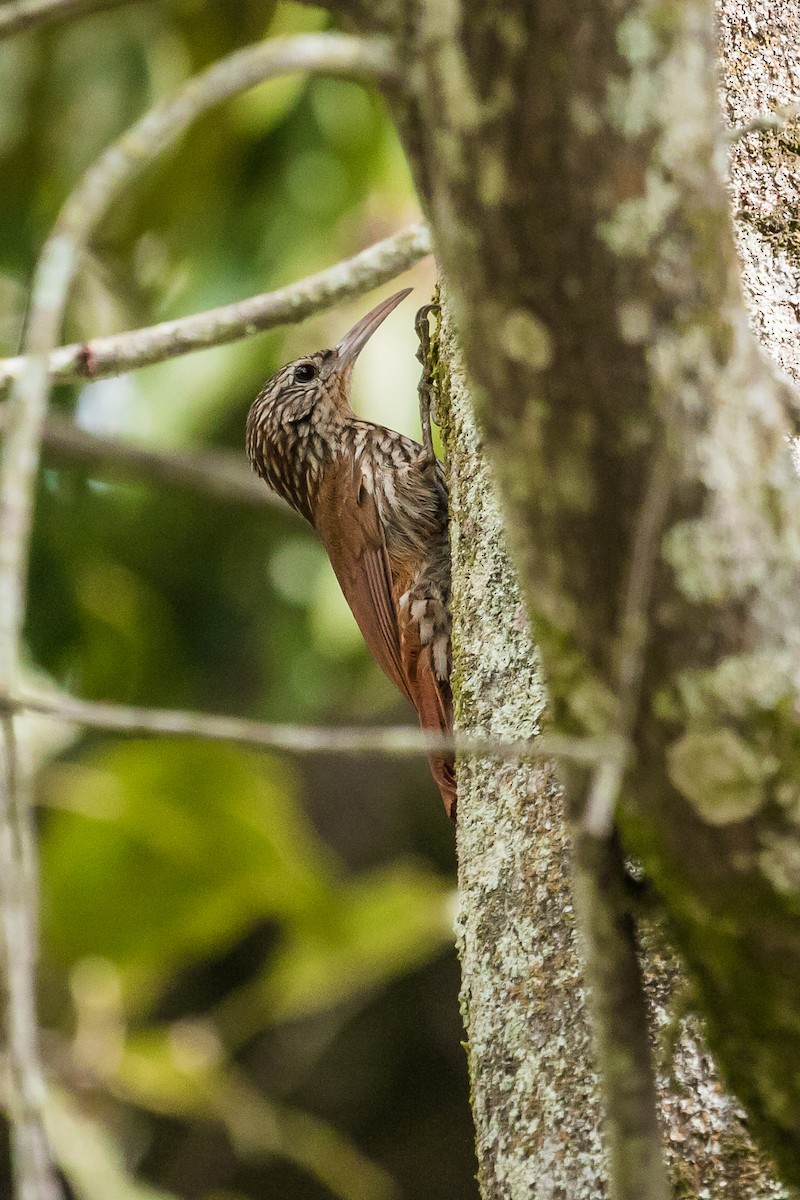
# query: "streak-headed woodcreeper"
[378,502]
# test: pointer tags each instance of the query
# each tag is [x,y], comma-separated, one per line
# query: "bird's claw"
[423,330]
[427,457]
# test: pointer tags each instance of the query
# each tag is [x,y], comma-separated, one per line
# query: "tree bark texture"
[534,1092]
[538,1112]
[760,59]
[571,163]
[571,160]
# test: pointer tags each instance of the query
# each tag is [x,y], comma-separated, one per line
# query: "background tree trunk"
[569,161]
[518,191]
[536,1099]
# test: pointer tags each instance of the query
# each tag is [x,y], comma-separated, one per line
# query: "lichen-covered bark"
[570,160]
[534,1092]
[538,1114]
[760,44]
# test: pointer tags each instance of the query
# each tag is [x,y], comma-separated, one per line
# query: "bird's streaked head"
[296,388]
[307,396]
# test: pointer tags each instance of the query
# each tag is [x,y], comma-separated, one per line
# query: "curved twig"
[102,184]
[768,122]
[105,356]
[19,15]
[214,472]
[619,1020]
[396,741]
[329,53]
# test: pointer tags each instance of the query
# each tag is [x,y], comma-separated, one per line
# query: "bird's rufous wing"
[433,701]
[352,533]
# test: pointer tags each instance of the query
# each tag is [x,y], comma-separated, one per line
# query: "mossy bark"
[571,162]
[533,1088]
[536,1097]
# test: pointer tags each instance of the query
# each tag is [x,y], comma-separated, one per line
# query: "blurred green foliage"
[247,983]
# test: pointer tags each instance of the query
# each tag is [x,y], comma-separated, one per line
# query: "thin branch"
[770,122]
[619,1017]
[18,15]
[607,782]
[397,741]
[221,474]
[103,183]
[216,473]
[33,1173]
[619,1022]
[32,1163]
[141,347]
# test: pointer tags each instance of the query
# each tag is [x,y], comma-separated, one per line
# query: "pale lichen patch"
[702,562]
[635,322]
[635,224]
[737,686]
[719,774]
[593,705]
[779,859]
[631,103]
[573,485]
[471,108]
[525,338]
[492,177]
[637,38]
[584,115]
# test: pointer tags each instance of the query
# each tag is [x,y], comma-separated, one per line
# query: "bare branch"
[18,15]
[607,782]
[125,351]
[34,1179]
[32,1164]
[619,1017]
[619,1022]
[104,182]
[215,473]
[769,122]
[222,474]
[397,741]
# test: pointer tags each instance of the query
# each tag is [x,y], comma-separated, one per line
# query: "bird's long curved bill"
[356,338]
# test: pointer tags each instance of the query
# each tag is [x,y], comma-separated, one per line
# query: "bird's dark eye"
[304,373]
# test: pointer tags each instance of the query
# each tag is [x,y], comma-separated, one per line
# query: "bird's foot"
[425,388]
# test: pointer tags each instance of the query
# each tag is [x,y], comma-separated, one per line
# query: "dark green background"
[248,987]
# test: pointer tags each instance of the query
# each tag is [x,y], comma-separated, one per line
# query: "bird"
[378,502]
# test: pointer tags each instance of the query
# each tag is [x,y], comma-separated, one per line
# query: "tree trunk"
[569,163]
[534,1093]
[570,160]
[536,1099]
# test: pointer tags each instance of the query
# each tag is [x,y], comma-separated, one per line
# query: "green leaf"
[720,774]
[165,852]
[374,929]
[90,1157]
